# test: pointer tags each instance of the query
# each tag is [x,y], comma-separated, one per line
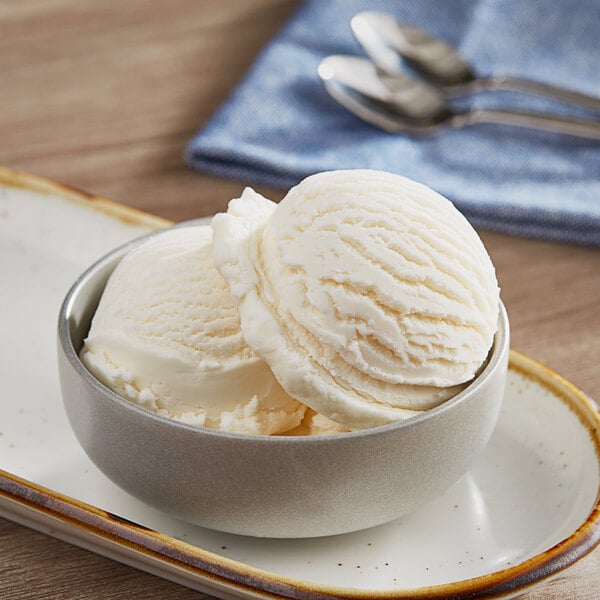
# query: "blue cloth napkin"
[280,125]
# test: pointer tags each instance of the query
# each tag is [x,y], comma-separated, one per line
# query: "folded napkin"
[280,125]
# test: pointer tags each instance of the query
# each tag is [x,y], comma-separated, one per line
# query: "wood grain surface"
[104,96]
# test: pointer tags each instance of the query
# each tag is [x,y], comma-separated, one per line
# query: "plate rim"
[129,215]
[20,496]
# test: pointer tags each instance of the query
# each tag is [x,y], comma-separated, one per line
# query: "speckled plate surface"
[527,510]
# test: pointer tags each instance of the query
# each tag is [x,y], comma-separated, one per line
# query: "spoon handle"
[583,128]
[536,88]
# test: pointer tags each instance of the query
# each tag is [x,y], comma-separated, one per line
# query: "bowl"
[271,486]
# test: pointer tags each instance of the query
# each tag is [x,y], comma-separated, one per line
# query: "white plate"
[526,511]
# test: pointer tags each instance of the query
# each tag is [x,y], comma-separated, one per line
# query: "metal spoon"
[405,105]
[387,42]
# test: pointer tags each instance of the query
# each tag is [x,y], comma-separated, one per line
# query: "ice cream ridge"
[362,298]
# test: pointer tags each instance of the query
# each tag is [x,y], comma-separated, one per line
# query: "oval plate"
[527,510]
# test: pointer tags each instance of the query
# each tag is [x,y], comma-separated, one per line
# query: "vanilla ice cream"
[166,335]
[369,295]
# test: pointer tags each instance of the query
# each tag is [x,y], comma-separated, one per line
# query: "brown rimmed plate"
[528,510]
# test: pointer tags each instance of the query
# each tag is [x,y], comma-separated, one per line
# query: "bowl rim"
[499,350]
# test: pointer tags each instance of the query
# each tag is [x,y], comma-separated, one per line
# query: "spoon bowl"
[402,97]
[388,43]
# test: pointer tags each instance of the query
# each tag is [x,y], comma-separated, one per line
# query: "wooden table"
[103,96]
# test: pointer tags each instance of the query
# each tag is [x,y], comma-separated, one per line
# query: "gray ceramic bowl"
[271,486]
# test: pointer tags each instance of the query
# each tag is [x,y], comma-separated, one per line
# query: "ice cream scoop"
[370,296]
[166,335]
